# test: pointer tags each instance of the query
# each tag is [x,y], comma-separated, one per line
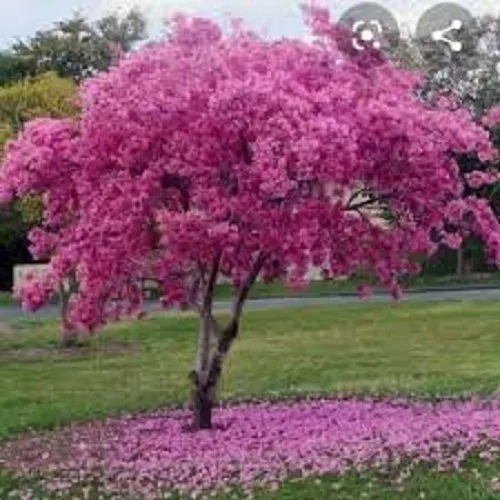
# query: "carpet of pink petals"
[259,444]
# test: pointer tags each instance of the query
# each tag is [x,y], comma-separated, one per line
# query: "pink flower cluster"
[492,118]
[477,179]
[211,143]
[262,444]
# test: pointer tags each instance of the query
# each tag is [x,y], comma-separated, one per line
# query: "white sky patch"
[273,18]
[276,18]
[269,18]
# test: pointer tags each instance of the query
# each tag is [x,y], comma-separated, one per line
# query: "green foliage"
[473,482]
[11,226]
[13,68]
[124,33]
[6,299]
[30,209]
[76,48]
[6,133]
[46,95]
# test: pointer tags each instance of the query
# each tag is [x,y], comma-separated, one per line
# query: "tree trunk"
[69,340]
[202,409]
[69,337]
[206,380]
[460,261]
[214,343]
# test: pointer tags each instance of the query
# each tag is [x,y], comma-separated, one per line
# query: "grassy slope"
[425,349]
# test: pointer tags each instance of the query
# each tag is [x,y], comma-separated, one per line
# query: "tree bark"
[206,382]
[202,397]
[69,336]
[460,261]
[202,408]
[211,355]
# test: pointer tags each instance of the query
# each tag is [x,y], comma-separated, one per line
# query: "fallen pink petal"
[258,445]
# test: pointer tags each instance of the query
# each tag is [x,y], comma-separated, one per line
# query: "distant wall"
[21,272]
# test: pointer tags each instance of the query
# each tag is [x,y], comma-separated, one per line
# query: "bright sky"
[272,18]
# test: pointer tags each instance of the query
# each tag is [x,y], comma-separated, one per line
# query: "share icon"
[441,35]
[448,27]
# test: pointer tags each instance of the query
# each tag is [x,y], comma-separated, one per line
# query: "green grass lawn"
[426,350]
[476,481]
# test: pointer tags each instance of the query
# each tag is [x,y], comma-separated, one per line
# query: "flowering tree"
[208,155]
[469,78]
[44,95]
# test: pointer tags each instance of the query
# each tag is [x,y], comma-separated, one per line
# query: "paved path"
[490,294]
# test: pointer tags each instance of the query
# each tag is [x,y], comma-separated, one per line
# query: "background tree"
[471,78]
[74,48]
[13,68]
[45,95]
[239,157]
[78,48]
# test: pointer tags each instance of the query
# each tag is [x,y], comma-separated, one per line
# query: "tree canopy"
[36,79]
[468,78]
[211,154]
[45,95]
[77,48]
[13,68]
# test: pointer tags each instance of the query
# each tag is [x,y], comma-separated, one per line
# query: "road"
[487,294]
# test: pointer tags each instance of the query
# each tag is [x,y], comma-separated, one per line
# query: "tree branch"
[210,286]
[246,150]
[247,285]
[230,332]
[193,296]
[362,204]
[204,335]
[172,181]
[355,195]
[216,328]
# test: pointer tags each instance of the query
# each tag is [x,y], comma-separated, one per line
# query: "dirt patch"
[34,449]
[111,348]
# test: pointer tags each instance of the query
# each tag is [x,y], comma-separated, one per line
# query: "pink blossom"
[396,291]
[364,291]
[259,444]
[453,241]
[234,145]
[492,118]
[479,179]
[35,293]
[6,192]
